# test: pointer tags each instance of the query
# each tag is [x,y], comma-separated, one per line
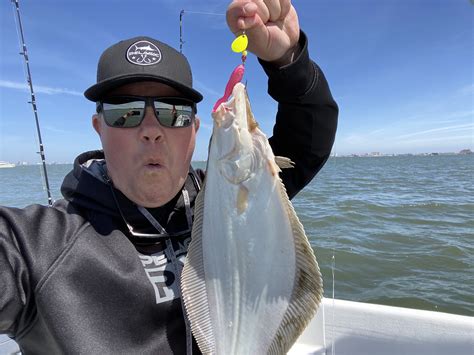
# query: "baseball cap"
[142,59]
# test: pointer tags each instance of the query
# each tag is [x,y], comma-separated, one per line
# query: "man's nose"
[151,129]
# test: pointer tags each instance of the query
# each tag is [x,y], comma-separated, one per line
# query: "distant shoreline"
[378,154]
[333,155]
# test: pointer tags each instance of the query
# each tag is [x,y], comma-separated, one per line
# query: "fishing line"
[5,342]
[333,266]
[181,42]
[203,13]
[24,53]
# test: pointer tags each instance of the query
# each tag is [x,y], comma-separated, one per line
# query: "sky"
[401,71]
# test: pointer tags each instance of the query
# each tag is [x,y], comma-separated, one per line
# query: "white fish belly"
[249,261]
[251,283]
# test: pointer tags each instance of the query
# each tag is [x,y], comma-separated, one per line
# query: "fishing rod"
[181,42]
[24,53]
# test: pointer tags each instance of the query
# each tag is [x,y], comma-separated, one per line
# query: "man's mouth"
[153,162]
[153,165]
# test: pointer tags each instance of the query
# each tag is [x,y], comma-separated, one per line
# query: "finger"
[242,14]
[258,38]
[248,23]
[274,9]
[235,12]
[262,10]
[285,8]
[256,13]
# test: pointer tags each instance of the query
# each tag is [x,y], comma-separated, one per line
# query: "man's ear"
[197,123]
[97,123]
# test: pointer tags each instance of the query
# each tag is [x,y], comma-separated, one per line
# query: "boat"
[354,328]
[4,164]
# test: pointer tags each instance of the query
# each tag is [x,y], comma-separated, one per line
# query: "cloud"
[57,130]
[460,127]
[38,88]
[456,116]
[206,89]
[466,90]
[461,139]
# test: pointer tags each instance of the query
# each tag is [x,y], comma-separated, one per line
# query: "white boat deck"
[352,328]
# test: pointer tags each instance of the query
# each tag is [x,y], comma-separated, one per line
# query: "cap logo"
[143,53]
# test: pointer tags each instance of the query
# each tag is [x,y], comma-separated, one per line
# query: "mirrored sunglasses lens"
[124,115]
[171,115]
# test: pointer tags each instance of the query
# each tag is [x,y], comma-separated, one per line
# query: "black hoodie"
[74,280]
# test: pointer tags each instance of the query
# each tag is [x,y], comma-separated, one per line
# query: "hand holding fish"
[271,26]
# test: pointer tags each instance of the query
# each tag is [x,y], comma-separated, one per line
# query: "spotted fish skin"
[251,283]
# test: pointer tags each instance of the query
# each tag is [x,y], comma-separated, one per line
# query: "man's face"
[149,163]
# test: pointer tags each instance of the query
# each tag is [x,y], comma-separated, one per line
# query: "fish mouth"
[224,116]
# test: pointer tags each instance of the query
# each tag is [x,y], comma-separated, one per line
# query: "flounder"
[251,283]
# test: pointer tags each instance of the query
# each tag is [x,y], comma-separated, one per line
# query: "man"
[99,272]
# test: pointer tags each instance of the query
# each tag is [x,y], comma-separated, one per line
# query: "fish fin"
[251,121]
[242,199]
[273,167]
[284,163]
[193,286]
[308,287]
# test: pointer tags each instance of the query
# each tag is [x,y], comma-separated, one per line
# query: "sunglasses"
[129,111]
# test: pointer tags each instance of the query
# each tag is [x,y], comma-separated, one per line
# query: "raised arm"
[306,121]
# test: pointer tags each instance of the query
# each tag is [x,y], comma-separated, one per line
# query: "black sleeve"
[13,278]
[306,120]
[31,240]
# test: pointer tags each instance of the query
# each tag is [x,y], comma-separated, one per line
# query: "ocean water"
[387,230]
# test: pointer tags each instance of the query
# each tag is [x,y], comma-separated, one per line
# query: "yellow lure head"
[240,43]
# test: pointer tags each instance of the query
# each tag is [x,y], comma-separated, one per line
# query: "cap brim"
[98,91]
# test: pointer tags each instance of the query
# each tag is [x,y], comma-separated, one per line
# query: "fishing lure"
[239,45]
